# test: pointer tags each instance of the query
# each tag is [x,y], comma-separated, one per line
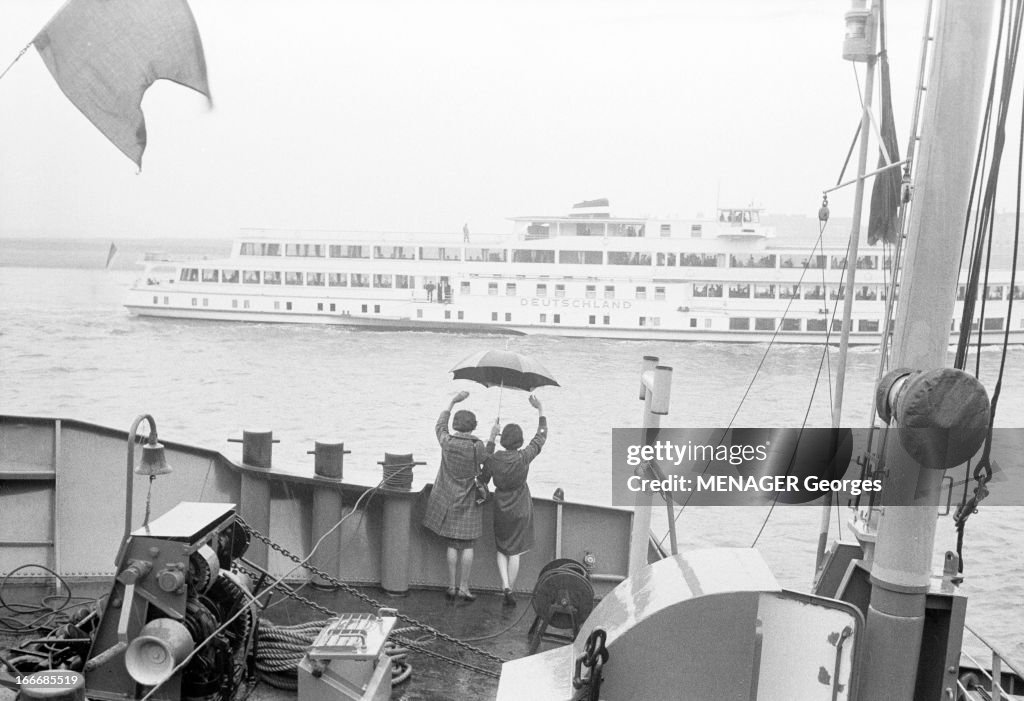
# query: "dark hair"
[464,421]
[512,437]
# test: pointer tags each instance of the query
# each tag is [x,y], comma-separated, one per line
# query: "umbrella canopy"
[499,368]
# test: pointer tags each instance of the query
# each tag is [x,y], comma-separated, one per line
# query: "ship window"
[288,306]
[189,274]
[739,291]
[995,324]
[277,305]
[816,292]
[591,291]
[659,293]
[592,319]
[543,318]
[762,324]
[606,320]
[698,260]
[156,299]
[666,229]
[291,278]
[510,289]
[767,261]
[739,323]
[359,279]
[580,257]
[961,292]
[866,292]
[583,229]
[337,251]
[464,287]
[641,293]
[395,252]
[447,313]
[251,277]
[245,304]
[508,316]
[527,255]
[384,281]
[167,300]
[834,293]
[665,259]
[789,292]
[559,290]
[270,249]
[438,253]
[628,258]
[486,255]
[801,261]
[869,325]
[229,276]
[492,288]
[994,292]
[494,316]
[271,277]
[404,282]
[790,325]
[609,291]
[363,308]
[332,306]
[696,230]
[643,321]
[304,250]
[462,315]
[247,249]
[867,263]
[707,290]
[838,263]
[693,323]
[337,279]
[1018,292]
[837,325]
[816,325]
[558,318]
[764,291]
[315,279]
[542,290]
[319,306]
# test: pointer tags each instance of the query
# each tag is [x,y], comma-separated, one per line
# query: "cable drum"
[563,596]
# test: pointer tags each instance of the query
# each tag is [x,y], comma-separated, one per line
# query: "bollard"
[397,520]
[328,464]
[254,502]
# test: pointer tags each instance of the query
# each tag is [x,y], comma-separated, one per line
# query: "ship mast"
[950,128]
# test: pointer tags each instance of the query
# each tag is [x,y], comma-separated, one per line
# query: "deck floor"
[485,623]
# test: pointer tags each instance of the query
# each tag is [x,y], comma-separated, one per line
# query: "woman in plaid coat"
[452,511]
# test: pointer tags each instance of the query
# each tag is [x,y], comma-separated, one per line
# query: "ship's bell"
[153,461]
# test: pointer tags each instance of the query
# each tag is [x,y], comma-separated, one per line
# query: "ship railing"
[160,257]
[984,678]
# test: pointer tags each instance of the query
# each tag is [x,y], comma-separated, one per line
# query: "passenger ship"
[585,274]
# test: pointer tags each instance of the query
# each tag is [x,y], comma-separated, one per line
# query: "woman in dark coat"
[513,504]
[452,511]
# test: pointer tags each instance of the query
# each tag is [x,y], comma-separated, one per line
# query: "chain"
[349,589]
[594,657]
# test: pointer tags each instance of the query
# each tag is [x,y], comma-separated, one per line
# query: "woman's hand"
[535,403]
[496,429]
[461,396]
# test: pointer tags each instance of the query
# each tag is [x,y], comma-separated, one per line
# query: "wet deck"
[485,623]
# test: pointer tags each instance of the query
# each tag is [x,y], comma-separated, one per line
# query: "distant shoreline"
[91,254]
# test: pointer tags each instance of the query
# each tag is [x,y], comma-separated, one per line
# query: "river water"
[69,349]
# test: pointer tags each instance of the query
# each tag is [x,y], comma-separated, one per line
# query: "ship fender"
[942,415]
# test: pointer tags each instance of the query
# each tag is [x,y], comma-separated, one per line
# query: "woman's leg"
[453,559]
[467,565]
[513,570]
[503,570]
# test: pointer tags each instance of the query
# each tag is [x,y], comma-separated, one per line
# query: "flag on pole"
[110,255]
[104,55]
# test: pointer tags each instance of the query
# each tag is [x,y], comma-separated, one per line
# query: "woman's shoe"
[466,595]
[510,599]
[450,594]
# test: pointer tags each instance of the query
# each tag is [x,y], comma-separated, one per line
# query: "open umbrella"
[502,368]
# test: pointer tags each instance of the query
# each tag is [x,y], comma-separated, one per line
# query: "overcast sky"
[419,116]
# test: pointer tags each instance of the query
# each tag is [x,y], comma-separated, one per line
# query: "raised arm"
[537,442]
[441,427]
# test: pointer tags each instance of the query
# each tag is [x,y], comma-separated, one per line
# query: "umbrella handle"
[501,390]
